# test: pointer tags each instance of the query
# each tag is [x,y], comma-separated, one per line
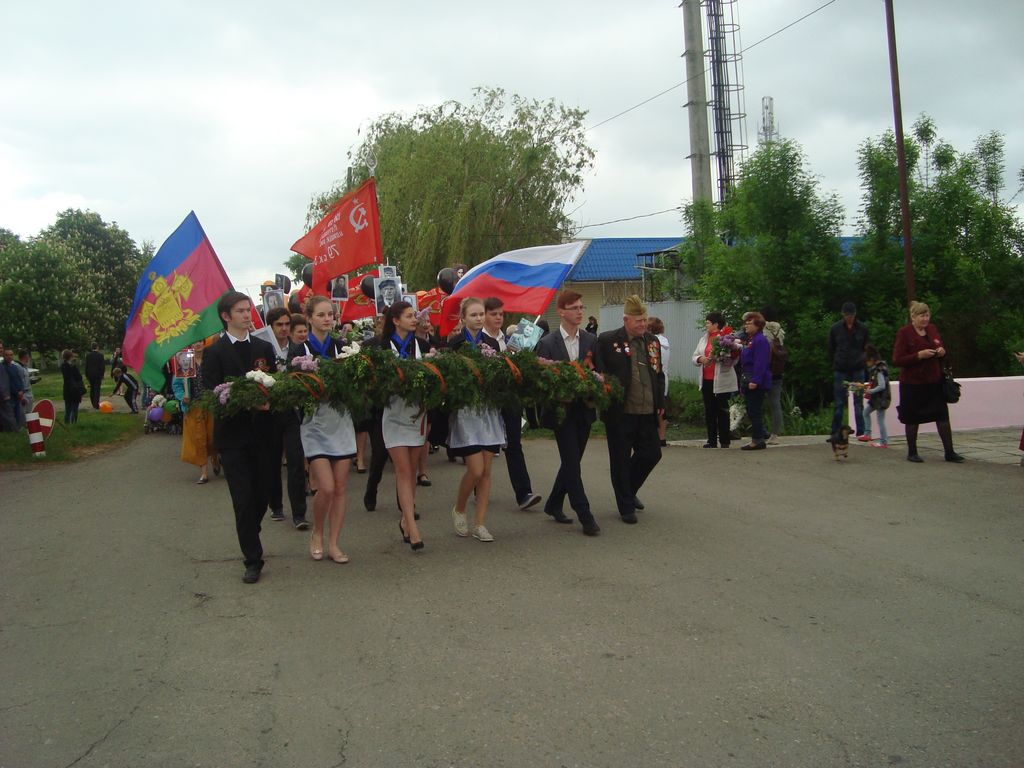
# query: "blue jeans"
[839,394]
[883,436]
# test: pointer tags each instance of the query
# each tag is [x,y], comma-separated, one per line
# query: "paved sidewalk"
[993,446]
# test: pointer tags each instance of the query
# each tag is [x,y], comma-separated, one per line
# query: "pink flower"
[487,350]
[223,392]
[306,363]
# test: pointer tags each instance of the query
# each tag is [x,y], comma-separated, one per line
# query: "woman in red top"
[917,351]
[718,381]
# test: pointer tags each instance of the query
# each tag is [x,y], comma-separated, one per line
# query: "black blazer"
[221,361]
[611,359]
[376,341]
[454,342]
[552,346]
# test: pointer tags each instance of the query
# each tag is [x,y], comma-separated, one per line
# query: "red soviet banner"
[346,238]
[358,306]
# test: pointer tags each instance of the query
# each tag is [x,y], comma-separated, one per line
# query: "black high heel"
[400,528]
[417,546]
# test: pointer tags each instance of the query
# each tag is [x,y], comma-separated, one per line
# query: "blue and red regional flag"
[525,280]
[347,238]
[175,301]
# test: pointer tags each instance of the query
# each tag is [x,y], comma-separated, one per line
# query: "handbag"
[745,378]
[950,387]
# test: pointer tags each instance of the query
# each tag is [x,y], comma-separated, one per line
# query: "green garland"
[366,378]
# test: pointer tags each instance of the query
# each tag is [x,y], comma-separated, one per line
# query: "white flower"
[261,378]
[158,401]
[348,351]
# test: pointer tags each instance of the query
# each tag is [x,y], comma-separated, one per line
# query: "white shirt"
[500,338]
[572,343]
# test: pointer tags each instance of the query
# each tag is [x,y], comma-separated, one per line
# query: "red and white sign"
[347,238]
[47,414]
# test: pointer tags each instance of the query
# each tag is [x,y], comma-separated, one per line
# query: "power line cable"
[706,69]
[629,218]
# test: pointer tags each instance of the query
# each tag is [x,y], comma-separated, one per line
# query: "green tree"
[108,264]
[51,307]
[967,246]
[783,252]
[461,183]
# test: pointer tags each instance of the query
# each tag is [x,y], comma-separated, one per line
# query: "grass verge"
[94,432]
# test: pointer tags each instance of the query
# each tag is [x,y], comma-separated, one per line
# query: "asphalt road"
[771,609]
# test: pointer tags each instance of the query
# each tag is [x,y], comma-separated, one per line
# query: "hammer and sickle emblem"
[357,217]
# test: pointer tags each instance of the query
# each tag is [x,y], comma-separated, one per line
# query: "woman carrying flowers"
[716,354]
[475,432]
[404,425]
[328,437]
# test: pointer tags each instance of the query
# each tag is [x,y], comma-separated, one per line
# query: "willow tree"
[460,183]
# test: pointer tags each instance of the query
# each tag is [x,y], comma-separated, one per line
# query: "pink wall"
[985,403]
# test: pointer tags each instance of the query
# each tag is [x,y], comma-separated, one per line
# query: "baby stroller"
[162,415]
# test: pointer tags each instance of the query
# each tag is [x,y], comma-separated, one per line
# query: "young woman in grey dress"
[475,433]
[404,425]
[328,438]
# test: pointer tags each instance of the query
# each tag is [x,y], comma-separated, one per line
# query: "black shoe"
[629,519]
[726,445]
[370,502]
[915,458]
[252,574]
[360,470]
[300,523]
[754,446]
[591,529]
[955,457]
[639,505]
[416,546]
[529,500]
[709,445]
[277,514]
[559,516]
[664,443]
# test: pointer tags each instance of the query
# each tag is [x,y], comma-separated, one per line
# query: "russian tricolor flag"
[526,280]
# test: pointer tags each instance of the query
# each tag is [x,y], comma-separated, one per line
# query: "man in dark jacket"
[633,356]
[570,342]
[846,342]
[95,368]
[244,441]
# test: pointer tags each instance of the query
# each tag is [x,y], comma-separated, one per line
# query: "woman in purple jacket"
[756,379]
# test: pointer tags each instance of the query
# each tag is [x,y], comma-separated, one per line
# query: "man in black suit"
[569,342]
[634,356]
[95,368]
[244,441]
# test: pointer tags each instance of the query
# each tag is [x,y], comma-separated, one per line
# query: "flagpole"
[370,160]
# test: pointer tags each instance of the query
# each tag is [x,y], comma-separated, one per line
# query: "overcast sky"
[242,111]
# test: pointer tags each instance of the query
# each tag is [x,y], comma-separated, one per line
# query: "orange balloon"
[106,407]
[166,418]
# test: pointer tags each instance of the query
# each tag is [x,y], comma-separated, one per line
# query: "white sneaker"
[482,534]
[459,519]
[772,440]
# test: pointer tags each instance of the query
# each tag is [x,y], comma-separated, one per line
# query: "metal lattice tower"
[768,131]
[728,115]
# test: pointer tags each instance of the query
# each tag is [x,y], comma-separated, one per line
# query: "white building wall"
[684,325]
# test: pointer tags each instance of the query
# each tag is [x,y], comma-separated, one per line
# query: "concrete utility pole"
[697,101]
[901,157]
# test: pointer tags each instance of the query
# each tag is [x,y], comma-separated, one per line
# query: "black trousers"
[286,438]
[571,436]
[515,461]
[378,459]
[247,471]
[95,384]
[634,449]
[716,414]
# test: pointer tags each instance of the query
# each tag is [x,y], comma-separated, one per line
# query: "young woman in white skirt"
[477,433]
[404,425]
[328,437]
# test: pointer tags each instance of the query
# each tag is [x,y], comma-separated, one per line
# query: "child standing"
[879,397]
